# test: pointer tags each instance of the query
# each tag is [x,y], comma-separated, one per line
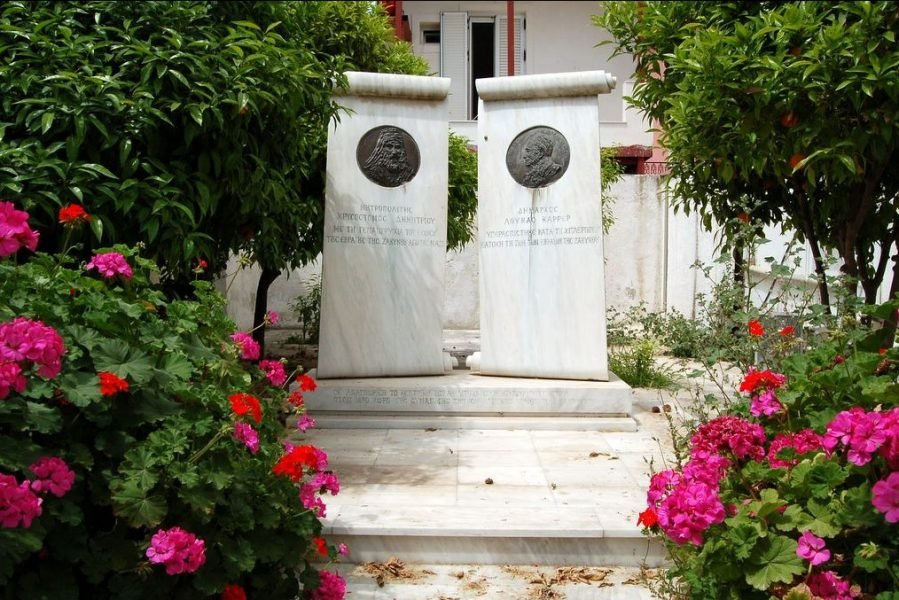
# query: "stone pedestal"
[542,292]
[384,251]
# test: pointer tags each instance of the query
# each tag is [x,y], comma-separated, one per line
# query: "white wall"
[560,37]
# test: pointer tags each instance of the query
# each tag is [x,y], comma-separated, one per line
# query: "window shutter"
[502,50]
[454,61]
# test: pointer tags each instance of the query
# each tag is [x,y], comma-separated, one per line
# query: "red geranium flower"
[111,384]
[648,518]
[761,380]
[307,384]
[756,329]
[295,398]
[320,546]
[242,404]
[73,214]
[787,331]
[233,591]
[292,463]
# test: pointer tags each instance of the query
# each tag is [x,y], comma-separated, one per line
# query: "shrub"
[793,493]
[140,455]
[308,310]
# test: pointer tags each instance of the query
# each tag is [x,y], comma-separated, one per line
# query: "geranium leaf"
[774,560]
[117,357]
[137,508]
[42,418]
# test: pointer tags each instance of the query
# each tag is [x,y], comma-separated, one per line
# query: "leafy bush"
[141,452]
[636,366]
[308,310]
[794,492]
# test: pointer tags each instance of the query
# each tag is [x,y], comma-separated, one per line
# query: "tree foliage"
[195,128]
[784,110]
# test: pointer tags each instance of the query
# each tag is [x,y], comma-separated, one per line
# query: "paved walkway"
[582,484]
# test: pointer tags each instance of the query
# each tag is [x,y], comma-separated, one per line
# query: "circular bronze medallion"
[388,156]
[538,157]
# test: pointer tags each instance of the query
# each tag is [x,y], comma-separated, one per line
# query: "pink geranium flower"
[333,587]
[305,422]
[110,264]
[249,348]
[246,434]
[11,379]
[28,342]
[765,404]
[52,475]
[812,549]
[885,497]
[19,506]
[274,371]
[14,230]
[180,551]
[272,318]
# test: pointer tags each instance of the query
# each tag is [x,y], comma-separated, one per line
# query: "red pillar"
[398,19]
[510,35]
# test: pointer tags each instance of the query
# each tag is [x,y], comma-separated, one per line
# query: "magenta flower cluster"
[14,230]
[864,433]
[53,475]
[744,439]
[802,442]
[246,434]
[827,585]
[180,551]
[319,484]
[249,348]
[885,497]
[274,371]
[24,343]
[110,264]
[333,587]
[20,503]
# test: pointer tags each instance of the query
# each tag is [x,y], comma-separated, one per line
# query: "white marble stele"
[542,291]
[384,255]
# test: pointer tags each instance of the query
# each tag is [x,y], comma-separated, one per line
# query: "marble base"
[462,393]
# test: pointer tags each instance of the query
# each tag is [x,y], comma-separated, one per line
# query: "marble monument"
[384,250]
[542,290]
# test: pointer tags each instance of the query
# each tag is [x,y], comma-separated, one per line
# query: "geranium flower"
[246,434]
[755,328]
[828,586]
[243,404]
[306,383]
[885,497]
[233,591]
[310,500]
[332,587]
[755,381]
[787,331]
[272,318]
[25,341]
[274,371]
[295,398]
[648,518]
[305,422]
[19,505]
[343,550]
[73,215]
[320,546]
[180,551]
[249,348]
[812,548]
[765,404]
[53,475]
[110,264]
[326,482]
[11,379]
[293,463]
[861,432]
[14,230]
[802,442]
[744,439]
[111,384]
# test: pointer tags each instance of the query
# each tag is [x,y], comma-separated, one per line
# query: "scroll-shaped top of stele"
[542,287]
[384,250]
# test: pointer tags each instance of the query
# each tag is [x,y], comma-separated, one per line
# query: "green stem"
[199,453]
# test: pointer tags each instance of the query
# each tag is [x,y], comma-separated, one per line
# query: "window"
[430,33]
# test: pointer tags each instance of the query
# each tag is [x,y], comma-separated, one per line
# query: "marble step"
[508,535]
[369,420]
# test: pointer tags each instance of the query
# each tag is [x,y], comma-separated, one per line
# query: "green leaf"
[81,388]
[138,509]
[774,560]
[41,418]
[47,122]
[118,357]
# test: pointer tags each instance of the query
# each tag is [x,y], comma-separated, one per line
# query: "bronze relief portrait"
[538,157]
[388,156]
